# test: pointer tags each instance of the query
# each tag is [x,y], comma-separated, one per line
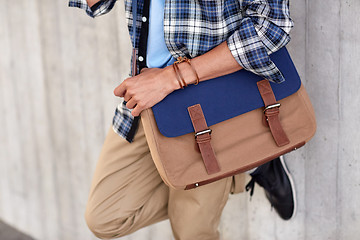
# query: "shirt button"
[141,58]
[144,19]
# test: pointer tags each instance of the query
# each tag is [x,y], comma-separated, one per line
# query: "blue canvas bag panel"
[222,98]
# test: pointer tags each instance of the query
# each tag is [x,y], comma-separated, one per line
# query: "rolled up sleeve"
[264,29]
[100,8]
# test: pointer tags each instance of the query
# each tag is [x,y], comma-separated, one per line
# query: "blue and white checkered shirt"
[253,29]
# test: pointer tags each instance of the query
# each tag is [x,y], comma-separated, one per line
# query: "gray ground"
[9,233]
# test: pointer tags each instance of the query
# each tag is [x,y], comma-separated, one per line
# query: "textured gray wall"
[58,68]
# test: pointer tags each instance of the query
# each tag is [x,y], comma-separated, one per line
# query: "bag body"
[240,138]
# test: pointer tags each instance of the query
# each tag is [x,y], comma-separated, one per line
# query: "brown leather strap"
[272,113]
[193,69]
[178,76]
[134,65]
[185,59]
[203,140]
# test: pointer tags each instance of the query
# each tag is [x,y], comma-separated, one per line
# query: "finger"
[144,69]
[131,103]
[127,97]
[137,110]
[120,90]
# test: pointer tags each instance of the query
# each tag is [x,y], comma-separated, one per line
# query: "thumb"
[144,69]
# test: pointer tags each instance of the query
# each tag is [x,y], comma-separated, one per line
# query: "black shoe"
[277,182]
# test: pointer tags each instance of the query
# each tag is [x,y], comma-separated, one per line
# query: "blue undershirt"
[157,55]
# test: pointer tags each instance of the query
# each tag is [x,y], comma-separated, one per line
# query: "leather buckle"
[276,105]
[203,132]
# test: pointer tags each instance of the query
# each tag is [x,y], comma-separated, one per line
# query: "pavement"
[9,233]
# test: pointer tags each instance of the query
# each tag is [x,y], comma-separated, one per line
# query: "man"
[220,37]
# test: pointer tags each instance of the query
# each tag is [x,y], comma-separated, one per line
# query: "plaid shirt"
[253,29]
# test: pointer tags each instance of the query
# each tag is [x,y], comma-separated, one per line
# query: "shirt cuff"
[250,52]
[263,30]
[96,6]
[98,9]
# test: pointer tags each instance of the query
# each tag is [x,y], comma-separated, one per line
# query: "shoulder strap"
[134,57]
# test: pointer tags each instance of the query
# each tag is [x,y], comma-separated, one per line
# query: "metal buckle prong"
[203,132]
[276,105]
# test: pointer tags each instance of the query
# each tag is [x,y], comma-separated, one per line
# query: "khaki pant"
[127,194]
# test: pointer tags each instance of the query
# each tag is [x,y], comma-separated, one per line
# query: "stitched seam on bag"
[243,170]
[157,146]
[313,120]
[156,143]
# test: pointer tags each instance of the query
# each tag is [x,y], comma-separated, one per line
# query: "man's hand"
[153,84]
[147,89]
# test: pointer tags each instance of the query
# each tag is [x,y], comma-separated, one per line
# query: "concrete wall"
[57,72]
